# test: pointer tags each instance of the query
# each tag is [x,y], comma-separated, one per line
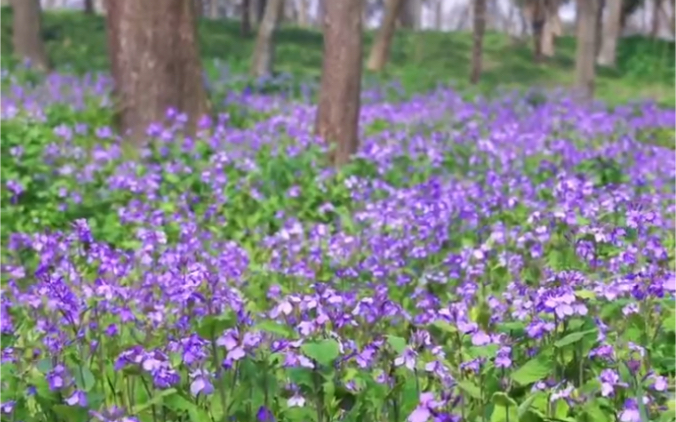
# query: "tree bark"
[611,33]
[155,63]
[303,21]
[246,23]
[598,33]
[439,15]
[263,56]
[409,14]
[381,47]
[536,11]
[552,28]
[478,39]
[213,9]
[337,118]
[89,7]
[586,48]
[27,33]
[655,21]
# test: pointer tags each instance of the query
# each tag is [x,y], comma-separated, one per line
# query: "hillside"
[419,60]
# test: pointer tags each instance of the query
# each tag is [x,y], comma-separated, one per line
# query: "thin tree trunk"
[263,56]
[655,21]
[381,47]
[601,4]
[478,39]
[586,48]
[409,14]
[89,7]
[551,29]
[155,63]
[213,9]
[538,16]
[439,15]
[27,33]
[321,12]
[611,33]
[302,14]
[337,120]
[246,23]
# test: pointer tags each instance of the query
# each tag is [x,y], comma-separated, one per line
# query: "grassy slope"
[420,60]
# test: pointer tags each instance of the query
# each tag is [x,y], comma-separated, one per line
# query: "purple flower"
[264,415]
[200,383]
[7,407]
[630,412]
[407,359]
[425,409]
[480,338]
[78,398]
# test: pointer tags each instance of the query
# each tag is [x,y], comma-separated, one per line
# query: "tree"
[246,22]
[655,22]
[263,56]
[611,33]
[27,33]
[552,28]
[536,11]
[381,47]
[409,14]
[155,63]
[585,58]
[89,7]
[478,39]
[302,14]
[337,118]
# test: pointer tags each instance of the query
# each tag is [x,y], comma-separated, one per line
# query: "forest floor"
[419,60]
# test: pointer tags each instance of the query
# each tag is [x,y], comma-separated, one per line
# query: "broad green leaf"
[528,403]
[213,325]
[84,379]
[470,388]
[596,413]
[574,338]
[585,294]
[398,344]
[502,399]
[155,400]
[534,370]
[323,352]
[274,327]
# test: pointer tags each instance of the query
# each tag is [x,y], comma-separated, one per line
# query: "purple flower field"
[493,260]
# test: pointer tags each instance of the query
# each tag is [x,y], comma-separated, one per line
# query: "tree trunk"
[337,120]
[263,56]
[586,48]
[611,33]
[598,33]
[246,23]
[655,19]
[89,7]
[213,9]
[155,63]
[538,16]
[381,47]
[552,28]
[478,39]
[439,15]
[27,33]
[303,21]
[409,14]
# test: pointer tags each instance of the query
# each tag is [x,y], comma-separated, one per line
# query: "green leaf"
[502,399]
[323,352]
[573,338]
[84,379]
[470,388]
[528,403]
[71,413]
[596,414]
[585,294]
[213,326]
[398,344]
[504,413]
[155,400]
[534,370]
[276,328]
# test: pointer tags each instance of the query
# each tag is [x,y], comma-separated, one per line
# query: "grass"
[419,60]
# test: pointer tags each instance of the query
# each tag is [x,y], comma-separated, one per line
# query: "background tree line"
[155,61]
